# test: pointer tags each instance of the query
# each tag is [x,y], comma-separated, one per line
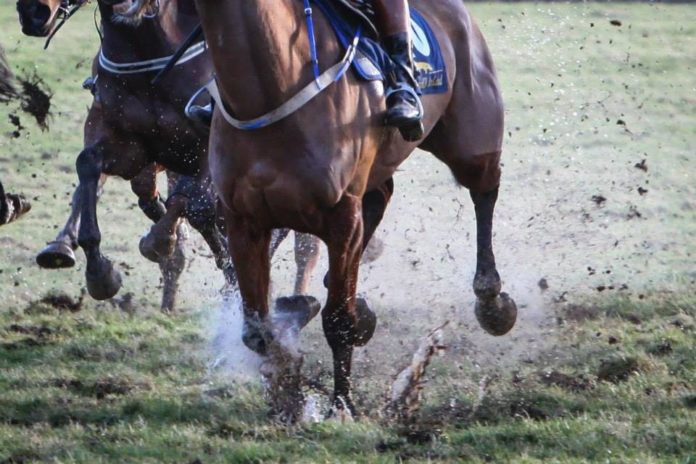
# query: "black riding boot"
[404,108]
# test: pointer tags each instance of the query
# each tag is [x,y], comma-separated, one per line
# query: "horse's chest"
[160,125]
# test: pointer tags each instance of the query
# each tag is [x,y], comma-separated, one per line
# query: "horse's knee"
[89,164]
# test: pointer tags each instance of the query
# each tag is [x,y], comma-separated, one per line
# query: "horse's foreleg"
[306,258]
[249,247]
[495,311]
[103,281]
[346,321]
[60,253]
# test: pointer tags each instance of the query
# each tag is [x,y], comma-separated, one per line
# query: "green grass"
[587,376]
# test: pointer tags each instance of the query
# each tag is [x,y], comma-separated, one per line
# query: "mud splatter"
[17,123]
[599,200]
[63,302]
[36,99]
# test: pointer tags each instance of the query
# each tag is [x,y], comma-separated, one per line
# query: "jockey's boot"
[404,108]
[202,114]
[12,207]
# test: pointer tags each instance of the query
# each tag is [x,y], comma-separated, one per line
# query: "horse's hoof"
[301,308]
[103,280]
[56,255]
[367,323]
[497,316]
[256,337]
[342,410]
[155,248]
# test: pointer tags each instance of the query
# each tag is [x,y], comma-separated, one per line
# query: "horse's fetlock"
[89,242]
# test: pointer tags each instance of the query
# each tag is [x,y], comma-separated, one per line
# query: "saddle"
[372,63]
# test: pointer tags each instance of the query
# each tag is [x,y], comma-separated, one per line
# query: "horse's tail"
[7,88]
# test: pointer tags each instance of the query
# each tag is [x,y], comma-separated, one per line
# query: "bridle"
[69,7]
[66,10]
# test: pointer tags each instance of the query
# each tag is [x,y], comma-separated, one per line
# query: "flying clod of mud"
[36,99]
[407,388]
[34,96]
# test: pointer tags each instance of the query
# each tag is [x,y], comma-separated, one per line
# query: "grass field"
[602,365]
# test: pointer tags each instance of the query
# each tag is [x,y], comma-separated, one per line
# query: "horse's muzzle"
[34,19]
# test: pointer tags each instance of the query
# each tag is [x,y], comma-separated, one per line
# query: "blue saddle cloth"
[372,63]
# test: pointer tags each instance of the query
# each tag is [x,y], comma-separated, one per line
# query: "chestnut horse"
[134,129]
[316,170]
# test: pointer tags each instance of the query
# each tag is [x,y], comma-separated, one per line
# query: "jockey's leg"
[404,109]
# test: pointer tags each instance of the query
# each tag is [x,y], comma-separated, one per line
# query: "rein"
[66,11]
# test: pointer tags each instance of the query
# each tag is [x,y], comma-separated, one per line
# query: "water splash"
[228,354]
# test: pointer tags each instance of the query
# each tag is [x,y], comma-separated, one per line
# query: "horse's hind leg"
[346,321]
[496,312]
[103,280]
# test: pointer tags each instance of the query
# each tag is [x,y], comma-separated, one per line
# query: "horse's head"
[38,17]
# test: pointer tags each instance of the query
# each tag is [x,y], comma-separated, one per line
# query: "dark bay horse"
[116,143]
[318,177]
[133,123]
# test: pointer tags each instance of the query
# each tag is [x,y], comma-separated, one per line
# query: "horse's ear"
[134,14]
